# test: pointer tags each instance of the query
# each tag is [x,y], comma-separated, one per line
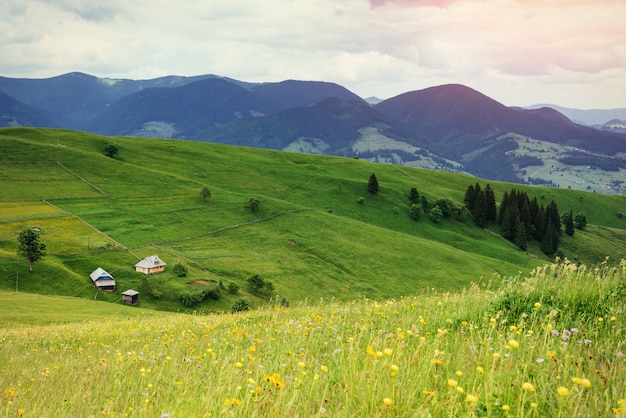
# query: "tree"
[180,270]
[110,150]
[372,184]
[580,220]
[569,224]
[436,214]
[490,204]
[240,305]
[413,196]
[416,211]
[253,204]
[520,238]
[256,283]
[29,246]
[205,193]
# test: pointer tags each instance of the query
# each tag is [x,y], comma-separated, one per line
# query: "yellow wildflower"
[528,387]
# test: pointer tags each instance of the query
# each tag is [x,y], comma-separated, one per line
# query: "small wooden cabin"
[102,280]
[130,296]
[150,265]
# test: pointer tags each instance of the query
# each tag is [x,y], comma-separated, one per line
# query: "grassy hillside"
[310,237]
[547,344]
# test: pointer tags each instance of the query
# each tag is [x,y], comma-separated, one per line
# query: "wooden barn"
[130,296]
[150,265]
[102,280]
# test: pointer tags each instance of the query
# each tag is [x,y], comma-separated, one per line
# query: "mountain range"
[450,127]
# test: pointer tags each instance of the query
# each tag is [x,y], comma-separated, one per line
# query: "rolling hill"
[317,233]
[450,127]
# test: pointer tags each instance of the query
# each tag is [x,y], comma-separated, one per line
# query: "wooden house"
[150,265]
[130,296]
[102,280]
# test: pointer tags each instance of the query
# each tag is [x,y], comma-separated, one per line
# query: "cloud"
[374,47]
[436,3]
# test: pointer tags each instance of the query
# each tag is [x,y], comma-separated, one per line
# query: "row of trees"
[522,219]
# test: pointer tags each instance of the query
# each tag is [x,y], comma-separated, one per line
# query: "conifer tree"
[520,238]
[413,196]
[470,198]
[372,184]
[490,204]
[569,224]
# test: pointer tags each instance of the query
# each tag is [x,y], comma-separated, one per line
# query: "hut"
[150,265]
[102,280]
[131,297]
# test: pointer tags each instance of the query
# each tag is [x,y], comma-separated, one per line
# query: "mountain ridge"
[450,127]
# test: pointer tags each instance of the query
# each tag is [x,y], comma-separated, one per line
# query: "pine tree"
[470,199]
[372,184]
[490,204]
[480,209]
[413,196]
[569,224]
[520,238]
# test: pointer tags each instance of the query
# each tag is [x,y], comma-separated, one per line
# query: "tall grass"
[547,344]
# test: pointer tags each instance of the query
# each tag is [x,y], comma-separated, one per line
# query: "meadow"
[545,344]
[310,237]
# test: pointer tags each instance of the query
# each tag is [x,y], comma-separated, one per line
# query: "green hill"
[310,237]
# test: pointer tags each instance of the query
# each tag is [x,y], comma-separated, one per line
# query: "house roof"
[130,292]
[151,261]
[101,275]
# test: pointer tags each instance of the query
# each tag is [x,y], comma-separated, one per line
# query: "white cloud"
[519,51]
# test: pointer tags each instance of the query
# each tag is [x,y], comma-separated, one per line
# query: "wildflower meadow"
[546,344]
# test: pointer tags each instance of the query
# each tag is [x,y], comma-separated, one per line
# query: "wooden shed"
[102,280]
[130,296]
[150,265]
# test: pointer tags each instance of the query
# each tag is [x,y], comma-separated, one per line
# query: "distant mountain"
[331,124]
[15,113]
[590,117]
[450,127]
[76,97]
[204,104]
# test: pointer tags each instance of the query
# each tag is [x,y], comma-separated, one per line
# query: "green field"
[310,237]
[547,344]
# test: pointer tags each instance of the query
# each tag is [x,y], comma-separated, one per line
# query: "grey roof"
[130,292]
[101,275]
[151,261]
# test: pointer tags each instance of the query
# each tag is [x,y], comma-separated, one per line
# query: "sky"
[519,52]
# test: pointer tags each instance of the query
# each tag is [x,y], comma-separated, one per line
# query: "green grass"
[548,343]
[310,238]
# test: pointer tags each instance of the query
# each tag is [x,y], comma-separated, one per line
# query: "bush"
[180,270]
[233,288]
[240,305]
[360,200]
[436,214]
[416,211]
[214,294]
[189,299]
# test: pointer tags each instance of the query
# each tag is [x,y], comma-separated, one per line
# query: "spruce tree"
[372,184]
[490,204]
[413,196]
[470,198]
[569,224]
[520,238]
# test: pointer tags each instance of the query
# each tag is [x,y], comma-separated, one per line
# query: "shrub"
[360,200]
[233,288]
[416,211]
[436,214]
[189,299]
[180,270]
[240,305]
